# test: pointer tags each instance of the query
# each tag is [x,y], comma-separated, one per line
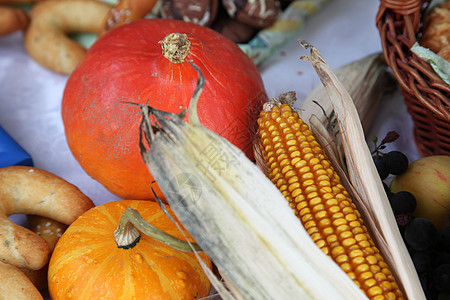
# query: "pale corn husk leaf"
[364,177]
[237,216]
[365,79]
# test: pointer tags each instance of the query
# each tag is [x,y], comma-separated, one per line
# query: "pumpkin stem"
[127,234]
[176,47]
[193,114]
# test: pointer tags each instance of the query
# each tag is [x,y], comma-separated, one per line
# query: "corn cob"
[300,169]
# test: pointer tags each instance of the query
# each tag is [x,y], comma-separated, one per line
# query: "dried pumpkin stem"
[127,234]
[193,114]
[176,47]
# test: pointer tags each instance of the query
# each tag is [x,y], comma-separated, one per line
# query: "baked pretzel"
[127,11]
[46,39]
[14,284]
[12,19]
[32,191]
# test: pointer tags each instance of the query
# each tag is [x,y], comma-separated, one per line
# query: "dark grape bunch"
[393,162]
[429,249]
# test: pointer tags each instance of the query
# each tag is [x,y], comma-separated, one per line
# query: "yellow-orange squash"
[87,263]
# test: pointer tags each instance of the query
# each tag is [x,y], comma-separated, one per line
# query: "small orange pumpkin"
[88,264]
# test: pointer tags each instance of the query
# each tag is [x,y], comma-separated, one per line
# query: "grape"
[381,167]
[443,296]
[440,258]
[421,260]
[396,162]
[441,278]
[421,234]
[444,239]
[402,219]
[403,202]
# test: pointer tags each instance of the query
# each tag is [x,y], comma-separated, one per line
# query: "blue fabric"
[11,153]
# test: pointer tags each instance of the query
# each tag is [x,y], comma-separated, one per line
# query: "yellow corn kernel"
[313,189]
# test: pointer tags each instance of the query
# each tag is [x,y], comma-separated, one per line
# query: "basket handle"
[407,8]
[403,7]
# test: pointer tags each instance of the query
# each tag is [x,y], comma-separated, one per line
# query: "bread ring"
[33,191]
[12,20]
[127,11]
[46,40]
[14,284]
[51,231]
[21,247]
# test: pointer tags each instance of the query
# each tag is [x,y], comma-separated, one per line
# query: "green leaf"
[439,65]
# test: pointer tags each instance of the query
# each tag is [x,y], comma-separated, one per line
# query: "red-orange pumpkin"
[87,264]
[127,65]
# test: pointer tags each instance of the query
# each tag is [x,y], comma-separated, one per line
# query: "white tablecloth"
[30,95]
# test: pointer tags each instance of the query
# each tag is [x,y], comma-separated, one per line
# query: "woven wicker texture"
[427,96]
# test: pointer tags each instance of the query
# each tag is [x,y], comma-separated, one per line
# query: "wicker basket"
[427,97]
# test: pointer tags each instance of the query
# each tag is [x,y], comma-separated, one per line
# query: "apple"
[428,179]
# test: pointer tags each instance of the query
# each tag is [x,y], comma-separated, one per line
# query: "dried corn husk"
[365,180]
[365,79]
[237,215]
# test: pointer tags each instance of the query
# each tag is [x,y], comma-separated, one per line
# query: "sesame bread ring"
[32,191]
[12,19]
[51,231]
[47,228]
[46,39]
[14,284]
